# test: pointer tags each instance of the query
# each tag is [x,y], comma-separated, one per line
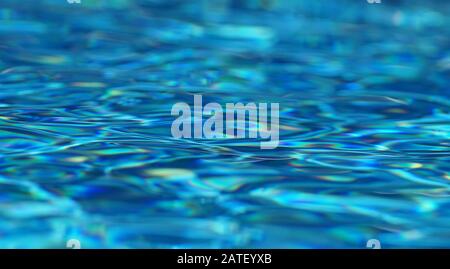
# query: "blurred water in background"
[86,152]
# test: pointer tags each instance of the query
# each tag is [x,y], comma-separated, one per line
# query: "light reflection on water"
[85,97]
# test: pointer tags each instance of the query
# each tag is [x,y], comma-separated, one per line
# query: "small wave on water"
[86,151]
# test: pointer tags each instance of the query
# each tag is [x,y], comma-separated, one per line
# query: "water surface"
[86,150]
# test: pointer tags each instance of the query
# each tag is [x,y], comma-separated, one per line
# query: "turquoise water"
[86,150]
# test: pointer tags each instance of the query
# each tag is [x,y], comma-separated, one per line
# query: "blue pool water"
[86,150]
